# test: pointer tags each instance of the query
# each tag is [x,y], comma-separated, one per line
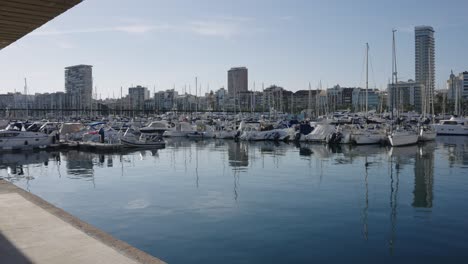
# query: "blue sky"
[289,43]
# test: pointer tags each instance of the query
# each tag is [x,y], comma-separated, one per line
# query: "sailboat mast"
[26,95]
[309,106]
[395,98]
[367,77]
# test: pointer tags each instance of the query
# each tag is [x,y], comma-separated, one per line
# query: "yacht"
[156,127]
[13,140]
[453,126]
[181,129]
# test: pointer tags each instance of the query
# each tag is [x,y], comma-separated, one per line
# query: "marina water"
[215,201]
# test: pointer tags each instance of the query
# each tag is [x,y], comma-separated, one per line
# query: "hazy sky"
[288,43]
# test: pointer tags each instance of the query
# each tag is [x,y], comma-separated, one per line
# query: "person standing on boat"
[101,134]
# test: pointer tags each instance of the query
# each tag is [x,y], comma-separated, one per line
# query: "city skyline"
[128,46]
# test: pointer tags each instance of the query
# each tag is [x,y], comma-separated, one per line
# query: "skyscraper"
[237,81]
[425,63]
[79,85]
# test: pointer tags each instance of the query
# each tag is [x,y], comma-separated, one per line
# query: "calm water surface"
[227,202]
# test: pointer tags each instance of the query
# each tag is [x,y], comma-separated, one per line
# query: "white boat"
[156,127]
[427,134]
[197,134]
[143,143]
[181,129]
[402,137]
[367,137]
[320,133]
[146,140]
[13,140]
[453,126]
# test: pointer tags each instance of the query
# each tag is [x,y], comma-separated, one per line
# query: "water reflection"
[379,188]
[424,176]
[238,154]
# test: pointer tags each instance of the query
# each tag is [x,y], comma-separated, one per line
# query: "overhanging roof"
[20,17]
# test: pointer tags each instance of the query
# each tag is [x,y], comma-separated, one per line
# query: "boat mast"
[367,77]
[309,105]
[394,78]
[26,96]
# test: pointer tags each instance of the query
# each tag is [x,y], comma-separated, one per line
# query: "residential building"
[237,81]
[79,85]
[425,61]
[166,100]
[457,86]
[137,96]
[359,99]
[406,96]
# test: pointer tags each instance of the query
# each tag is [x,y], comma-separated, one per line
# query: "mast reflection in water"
[231,202]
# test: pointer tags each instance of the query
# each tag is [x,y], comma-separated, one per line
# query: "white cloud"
[213,28]
[221,26]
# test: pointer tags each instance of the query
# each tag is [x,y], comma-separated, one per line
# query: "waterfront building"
[457,90]
[79,84]
[166,100]
[406,95]
[220,99]
[237,81]
[137,96]
[457,86]
[359,99]
[425,62]
[301,101]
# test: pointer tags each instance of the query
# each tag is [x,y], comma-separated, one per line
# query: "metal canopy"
[20,17]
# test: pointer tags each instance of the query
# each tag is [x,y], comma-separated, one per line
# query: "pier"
[35,231]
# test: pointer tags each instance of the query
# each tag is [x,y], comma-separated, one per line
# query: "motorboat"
[146,140]
[156,127]
[454,126]
[181,129]
[17,140]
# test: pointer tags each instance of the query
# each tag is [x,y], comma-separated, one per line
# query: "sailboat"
[401,136]
[367,135]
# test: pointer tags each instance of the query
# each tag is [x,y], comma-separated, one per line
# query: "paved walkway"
[34,231]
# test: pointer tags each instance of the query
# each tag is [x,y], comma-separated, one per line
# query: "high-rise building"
[79,85]
[237,81]
[138,95]
[425,63]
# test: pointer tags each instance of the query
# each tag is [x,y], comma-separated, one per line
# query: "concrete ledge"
[121,247]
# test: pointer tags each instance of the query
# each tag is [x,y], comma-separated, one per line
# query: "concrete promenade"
[34,231]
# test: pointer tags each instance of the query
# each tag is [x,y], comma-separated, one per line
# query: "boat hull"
[366,139]
[139,144]
[403,139]
[451,130]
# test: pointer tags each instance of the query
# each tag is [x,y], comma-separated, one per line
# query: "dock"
[35,231]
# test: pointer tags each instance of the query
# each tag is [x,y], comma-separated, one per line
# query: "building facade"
[237,81]
[137,96]
[425,61]
[406,96]
[79,85]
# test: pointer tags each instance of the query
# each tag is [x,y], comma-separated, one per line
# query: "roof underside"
[20,17]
